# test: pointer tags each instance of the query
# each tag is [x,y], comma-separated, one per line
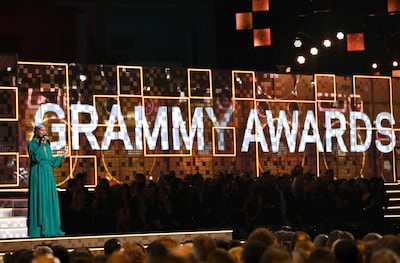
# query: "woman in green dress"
[43,204]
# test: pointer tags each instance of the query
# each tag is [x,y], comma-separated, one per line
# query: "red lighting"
[262,37]
[244,21]
[260,5]
[355,42]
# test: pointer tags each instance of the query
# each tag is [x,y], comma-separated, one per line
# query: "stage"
[95,243]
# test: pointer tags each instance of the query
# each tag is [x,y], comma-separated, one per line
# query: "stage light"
[327,43]
[314,51]
[395,63]
[297,42]
[9,69]
[301,59]
[374,65]
[82,77]
[340,35]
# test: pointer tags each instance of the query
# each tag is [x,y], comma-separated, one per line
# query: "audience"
[295,218]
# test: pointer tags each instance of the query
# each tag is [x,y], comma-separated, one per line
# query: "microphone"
[45,139]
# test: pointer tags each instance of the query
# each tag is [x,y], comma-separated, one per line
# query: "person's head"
[81,178]
[391,242]
[346,251]
[321,240]
[42,250]
[168,242]
[276,254]
[333,236]
[118,257]
[220,255]
[321,255]
[263,235]
[134,251]
[111,245]
[45,258]
[297,170]
[202,246]
[39,130]
[302,251]
[71,184]
[236,252]
[156,252]
[286,238]
[384,256]
[184,251]
[20,256]
[82,255]
[371,237]
[252,251]
[61,253]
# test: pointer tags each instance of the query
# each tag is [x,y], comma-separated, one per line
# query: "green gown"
[43,204]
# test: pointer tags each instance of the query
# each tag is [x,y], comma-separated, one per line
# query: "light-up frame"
[335,98]
[72,164]
[67,103]
[389,79]
[252,99]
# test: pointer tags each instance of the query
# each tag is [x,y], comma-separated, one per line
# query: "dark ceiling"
[201,33]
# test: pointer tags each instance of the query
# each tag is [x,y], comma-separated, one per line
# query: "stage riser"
[98,241]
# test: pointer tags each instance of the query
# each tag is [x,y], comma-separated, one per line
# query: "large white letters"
[254,121]
[254,131]
[338,132]
[354,146]
[314,137]
[86,128]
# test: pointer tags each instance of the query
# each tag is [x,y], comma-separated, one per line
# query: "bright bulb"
[314,51]
[374,65]
[297,43]
[327,43]
[340,35]
[301,59]
[395,63]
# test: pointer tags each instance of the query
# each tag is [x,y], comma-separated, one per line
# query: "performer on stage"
[43,205]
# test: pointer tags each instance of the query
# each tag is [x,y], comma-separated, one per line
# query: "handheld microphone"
[44,139]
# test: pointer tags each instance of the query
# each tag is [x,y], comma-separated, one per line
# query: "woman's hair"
[37,128]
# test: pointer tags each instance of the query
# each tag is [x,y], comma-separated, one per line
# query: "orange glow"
[262,37]
[393,6]
[244,21]
[355,42]
[260,5]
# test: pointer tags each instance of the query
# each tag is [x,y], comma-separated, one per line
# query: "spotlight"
[340,35]
[82,77]
[374,65]
[395,63]
[9,69]
[301,59]
[327,43]
[314,51]
[297,42]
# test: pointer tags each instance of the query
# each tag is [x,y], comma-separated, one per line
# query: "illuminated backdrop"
[121,120]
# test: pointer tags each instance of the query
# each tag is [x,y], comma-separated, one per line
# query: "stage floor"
[95,243]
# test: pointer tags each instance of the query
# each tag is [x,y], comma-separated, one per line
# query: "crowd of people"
[261,246]
[226,201]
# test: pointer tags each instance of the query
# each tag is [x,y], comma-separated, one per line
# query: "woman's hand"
[66,153]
